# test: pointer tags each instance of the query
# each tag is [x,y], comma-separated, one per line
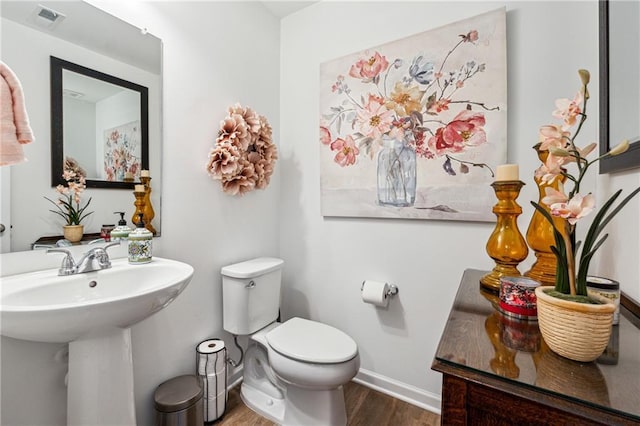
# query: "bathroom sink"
[93,312]
[44,307]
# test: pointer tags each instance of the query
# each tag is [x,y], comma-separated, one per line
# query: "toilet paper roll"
[210,346]
[211,356]
[375,292]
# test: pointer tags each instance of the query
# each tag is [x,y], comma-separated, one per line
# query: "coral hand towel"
[14,121]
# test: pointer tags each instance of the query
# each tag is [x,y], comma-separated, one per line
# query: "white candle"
[507,172]
[139,188]
[144,173]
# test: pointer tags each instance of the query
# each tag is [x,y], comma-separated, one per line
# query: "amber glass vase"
[540,232]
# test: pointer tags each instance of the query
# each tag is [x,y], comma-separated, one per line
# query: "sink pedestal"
[100,381]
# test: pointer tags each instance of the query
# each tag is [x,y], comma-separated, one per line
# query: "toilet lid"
[312,341]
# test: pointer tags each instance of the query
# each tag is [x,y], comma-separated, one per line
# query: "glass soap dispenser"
[122,231]
[140,243]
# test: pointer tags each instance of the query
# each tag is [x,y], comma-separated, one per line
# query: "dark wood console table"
[498,371]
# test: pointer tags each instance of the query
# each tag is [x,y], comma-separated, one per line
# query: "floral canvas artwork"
[415,128]
[122,152]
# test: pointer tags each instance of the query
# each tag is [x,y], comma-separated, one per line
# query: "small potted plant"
[573,322]
[69,205]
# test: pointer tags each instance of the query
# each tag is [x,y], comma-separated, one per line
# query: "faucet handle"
[68,265]
[102,256]
[116,243]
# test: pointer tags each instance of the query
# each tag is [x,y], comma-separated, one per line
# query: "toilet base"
[300,406]
[315,407]
[263,404]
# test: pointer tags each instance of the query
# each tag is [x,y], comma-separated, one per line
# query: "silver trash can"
[178,402]
[211,366]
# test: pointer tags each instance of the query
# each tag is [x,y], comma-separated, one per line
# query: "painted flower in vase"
[69,203]
[401,110]
[574,205]
[122,152]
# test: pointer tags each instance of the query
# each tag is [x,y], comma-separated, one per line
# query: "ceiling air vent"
[47,18]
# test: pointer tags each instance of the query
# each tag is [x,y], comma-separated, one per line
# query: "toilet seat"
[313,342]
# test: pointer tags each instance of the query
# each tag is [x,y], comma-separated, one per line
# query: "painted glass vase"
[396,174]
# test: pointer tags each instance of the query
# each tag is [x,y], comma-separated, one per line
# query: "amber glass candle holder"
[504,360]
[148,213]
[506,245]
[139,204]
[540,235]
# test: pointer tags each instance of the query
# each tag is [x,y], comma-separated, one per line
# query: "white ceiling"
[284,8]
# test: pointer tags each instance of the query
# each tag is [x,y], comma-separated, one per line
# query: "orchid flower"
[571,275]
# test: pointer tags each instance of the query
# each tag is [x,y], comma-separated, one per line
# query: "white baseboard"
[402,391]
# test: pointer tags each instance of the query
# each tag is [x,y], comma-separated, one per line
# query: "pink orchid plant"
[69,205]
[557,139]
[405,102]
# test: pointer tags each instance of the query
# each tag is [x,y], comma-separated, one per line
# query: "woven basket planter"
[577,331]
[73,233]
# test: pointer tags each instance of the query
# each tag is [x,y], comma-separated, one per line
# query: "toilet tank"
[251,294]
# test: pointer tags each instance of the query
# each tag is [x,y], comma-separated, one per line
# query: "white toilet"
[293,371]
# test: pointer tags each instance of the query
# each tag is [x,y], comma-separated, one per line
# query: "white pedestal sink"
[93,312]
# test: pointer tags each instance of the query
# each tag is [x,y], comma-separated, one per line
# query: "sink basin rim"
[52,275]
[88,314]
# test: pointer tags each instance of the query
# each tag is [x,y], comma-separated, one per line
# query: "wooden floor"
[365,407]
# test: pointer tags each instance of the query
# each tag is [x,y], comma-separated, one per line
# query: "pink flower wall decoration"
[244,153]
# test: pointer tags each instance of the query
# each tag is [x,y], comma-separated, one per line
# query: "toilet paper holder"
[393,289]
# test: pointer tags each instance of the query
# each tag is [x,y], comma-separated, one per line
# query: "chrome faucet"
[94,260]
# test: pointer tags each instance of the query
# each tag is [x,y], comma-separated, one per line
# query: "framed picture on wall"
[122,152]
[414,128]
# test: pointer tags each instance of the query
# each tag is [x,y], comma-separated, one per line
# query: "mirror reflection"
[101,122]
[91,38]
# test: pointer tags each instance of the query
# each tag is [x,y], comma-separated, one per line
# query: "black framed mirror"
[619,83]
[101,121]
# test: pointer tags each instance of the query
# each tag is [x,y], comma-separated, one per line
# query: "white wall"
[27,52]
[327,258]
[79,132]
[618,257]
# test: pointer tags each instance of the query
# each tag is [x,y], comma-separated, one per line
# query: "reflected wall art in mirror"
[101,121]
